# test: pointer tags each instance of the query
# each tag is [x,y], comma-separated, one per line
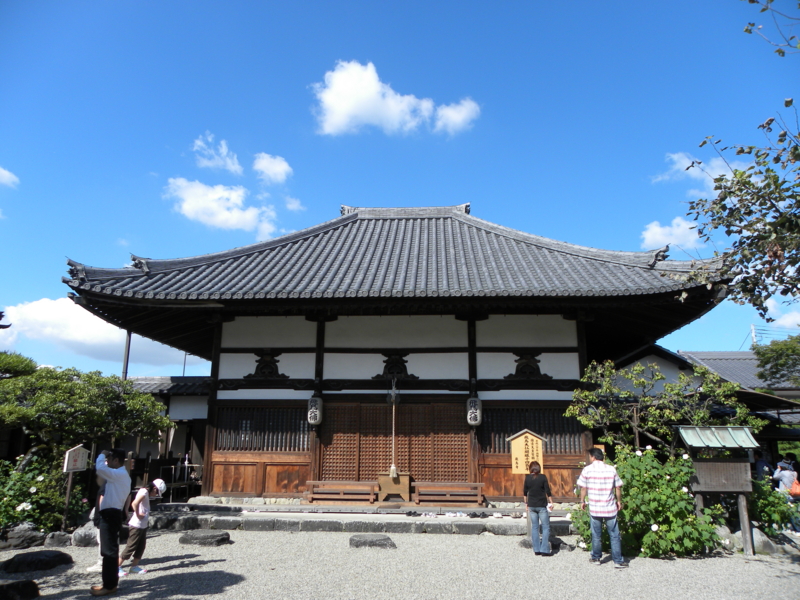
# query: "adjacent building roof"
[438,260]
[718,437]
[173,386]
[741,367]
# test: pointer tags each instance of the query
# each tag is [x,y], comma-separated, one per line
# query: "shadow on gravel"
[196,583]
[186,564]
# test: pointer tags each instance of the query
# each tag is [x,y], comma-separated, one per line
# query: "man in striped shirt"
[603,487]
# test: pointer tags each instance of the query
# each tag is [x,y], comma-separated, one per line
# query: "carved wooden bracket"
[267,367]
[395,368]
[528,368]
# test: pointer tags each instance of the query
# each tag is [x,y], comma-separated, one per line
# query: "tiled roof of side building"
[739,367]
[370,252]
[174,386]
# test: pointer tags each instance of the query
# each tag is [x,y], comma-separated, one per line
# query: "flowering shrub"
[768,507]
[658,516]
[36,495]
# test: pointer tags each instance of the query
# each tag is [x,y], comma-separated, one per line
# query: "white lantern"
[474,411]
[315,410]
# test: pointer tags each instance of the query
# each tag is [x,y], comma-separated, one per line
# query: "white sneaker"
[95,568]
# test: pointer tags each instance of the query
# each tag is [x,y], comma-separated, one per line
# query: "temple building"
[417,337]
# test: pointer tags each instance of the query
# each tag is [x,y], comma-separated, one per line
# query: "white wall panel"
[396,332]
[353,366]
[524,395]
[183,408]
[264,394]
[236,366]
[439,366]
[269,332]
[496,365]
[526,330]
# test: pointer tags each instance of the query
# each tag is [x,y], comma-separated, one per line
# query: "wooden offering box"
[394,485]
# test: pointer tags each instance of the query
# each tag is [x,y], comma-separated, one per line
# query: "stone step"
[355,522]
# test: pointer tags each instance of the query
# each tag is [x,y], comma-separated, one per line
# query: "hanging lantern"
[474,411]
[315,410]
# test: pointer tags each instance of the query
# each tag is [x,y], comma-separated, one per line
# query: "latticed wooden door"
[431,442]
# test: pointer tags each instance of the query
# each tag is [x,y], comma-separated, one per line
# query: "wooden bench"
[342,490]
[432,491]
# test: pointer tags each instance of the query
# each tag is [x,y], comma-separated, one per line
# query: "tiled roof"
[739,367]
[393,252]
[174,386]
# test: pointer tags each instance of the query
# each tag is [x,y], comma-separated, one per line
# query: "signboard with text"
[76,459]
[526,447]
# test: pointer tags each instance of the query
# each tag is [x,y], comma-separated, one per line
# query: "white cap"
[160,486]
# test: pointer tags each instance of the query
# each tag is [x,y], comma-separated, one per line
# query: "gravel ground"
[311,566]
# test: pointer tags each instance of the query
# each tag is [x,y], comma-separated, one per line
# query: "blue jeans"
[613,533]
[535,513]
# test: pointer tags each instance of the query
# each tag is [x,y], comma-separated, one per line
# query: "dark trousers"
[110,526]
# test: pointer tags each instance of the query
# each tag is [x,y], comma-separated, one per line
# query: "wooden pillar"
[211,424]
[699,504]
[744,522]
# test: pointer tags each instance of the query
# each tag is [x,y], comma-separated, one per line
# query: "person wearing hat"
[785,476]
[137,526]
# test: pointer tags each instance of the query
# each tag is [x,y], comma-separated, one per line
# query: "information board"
[526,447]
[76,459]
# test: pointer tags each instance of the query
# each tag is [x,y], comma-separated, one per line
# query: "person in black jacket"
[540,502]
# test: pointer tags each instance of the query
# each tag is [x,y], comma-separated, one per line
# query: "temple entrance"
[432,441]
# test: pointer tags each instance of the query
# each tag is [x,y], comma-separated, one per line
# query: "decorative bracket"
[267,367]
[395,368]
[528,368]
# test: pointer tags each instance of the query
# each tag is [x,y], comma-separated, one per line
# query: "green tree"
[779,361]
[59,408]
[639,404]
[758,207]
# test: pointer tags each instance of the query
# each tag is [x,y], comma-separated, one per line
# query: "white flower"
[582,545]
[648,447]
[654,527]
[685,457]
[32,490]
[40,478]
[726,541]
[685,489]
[638,453]
[569,516]
[24,506]
[667,476]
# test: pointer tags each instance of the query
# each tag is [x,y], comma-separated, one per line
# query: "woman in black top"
[540,501]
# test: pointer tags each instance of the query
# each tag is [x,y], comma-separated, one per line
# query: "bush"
[658,517]
[767,507]
[36,495]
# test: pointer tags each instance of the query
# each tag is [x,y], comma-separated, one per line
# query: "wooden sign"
[76,459]
[526,447]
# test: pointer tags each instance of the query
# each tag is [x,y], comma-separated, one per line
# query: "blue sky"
[183,128]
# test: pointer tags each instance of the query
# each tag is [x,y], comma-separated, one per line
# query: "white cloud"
[271,169]
[453,118]
[679,233]
[353,96]
[76,330]
[123,242]
[294,204]
[220,206]
[8,178]
[704,174]
[790,319]
[221,158]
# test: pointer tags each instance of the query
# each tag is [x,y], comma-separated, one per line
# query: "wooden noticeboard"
[526,447]
[76,459]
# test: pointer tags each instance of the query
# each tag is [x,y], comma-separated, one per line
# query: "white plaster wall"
[525,395]
[402,392]
[352,366]
[188,407]
[396,332]
[439,366]
[236,366]
[526,330]
[269,332]
[496,365]
[264,394]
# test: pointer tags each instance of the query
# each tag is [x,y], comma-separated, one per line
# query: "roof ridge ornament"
[465,208]
[348,210]
[140,263]
[660,254]
[76,271]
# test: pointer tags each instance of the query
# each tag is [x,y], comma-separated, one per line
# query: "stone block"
[204,500]
[499,527]
[162,521]
[226,523]
[321,525]
[205,537]
[57,539]
[372,540]
[85,536]
[365,526]
[404,526]
[24,535]
[438,527]
[19,590]
[40,560]
[258,523]
[469,527]
[287,525]
[186,522]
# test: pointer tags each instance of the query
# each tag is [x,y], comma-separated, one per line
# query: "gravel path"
[311,566]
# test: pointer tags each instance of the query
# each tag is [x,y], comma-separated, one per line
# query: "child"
[137,526]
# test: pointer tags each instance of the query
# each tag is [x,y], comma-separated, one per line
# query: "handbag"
[795,489]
